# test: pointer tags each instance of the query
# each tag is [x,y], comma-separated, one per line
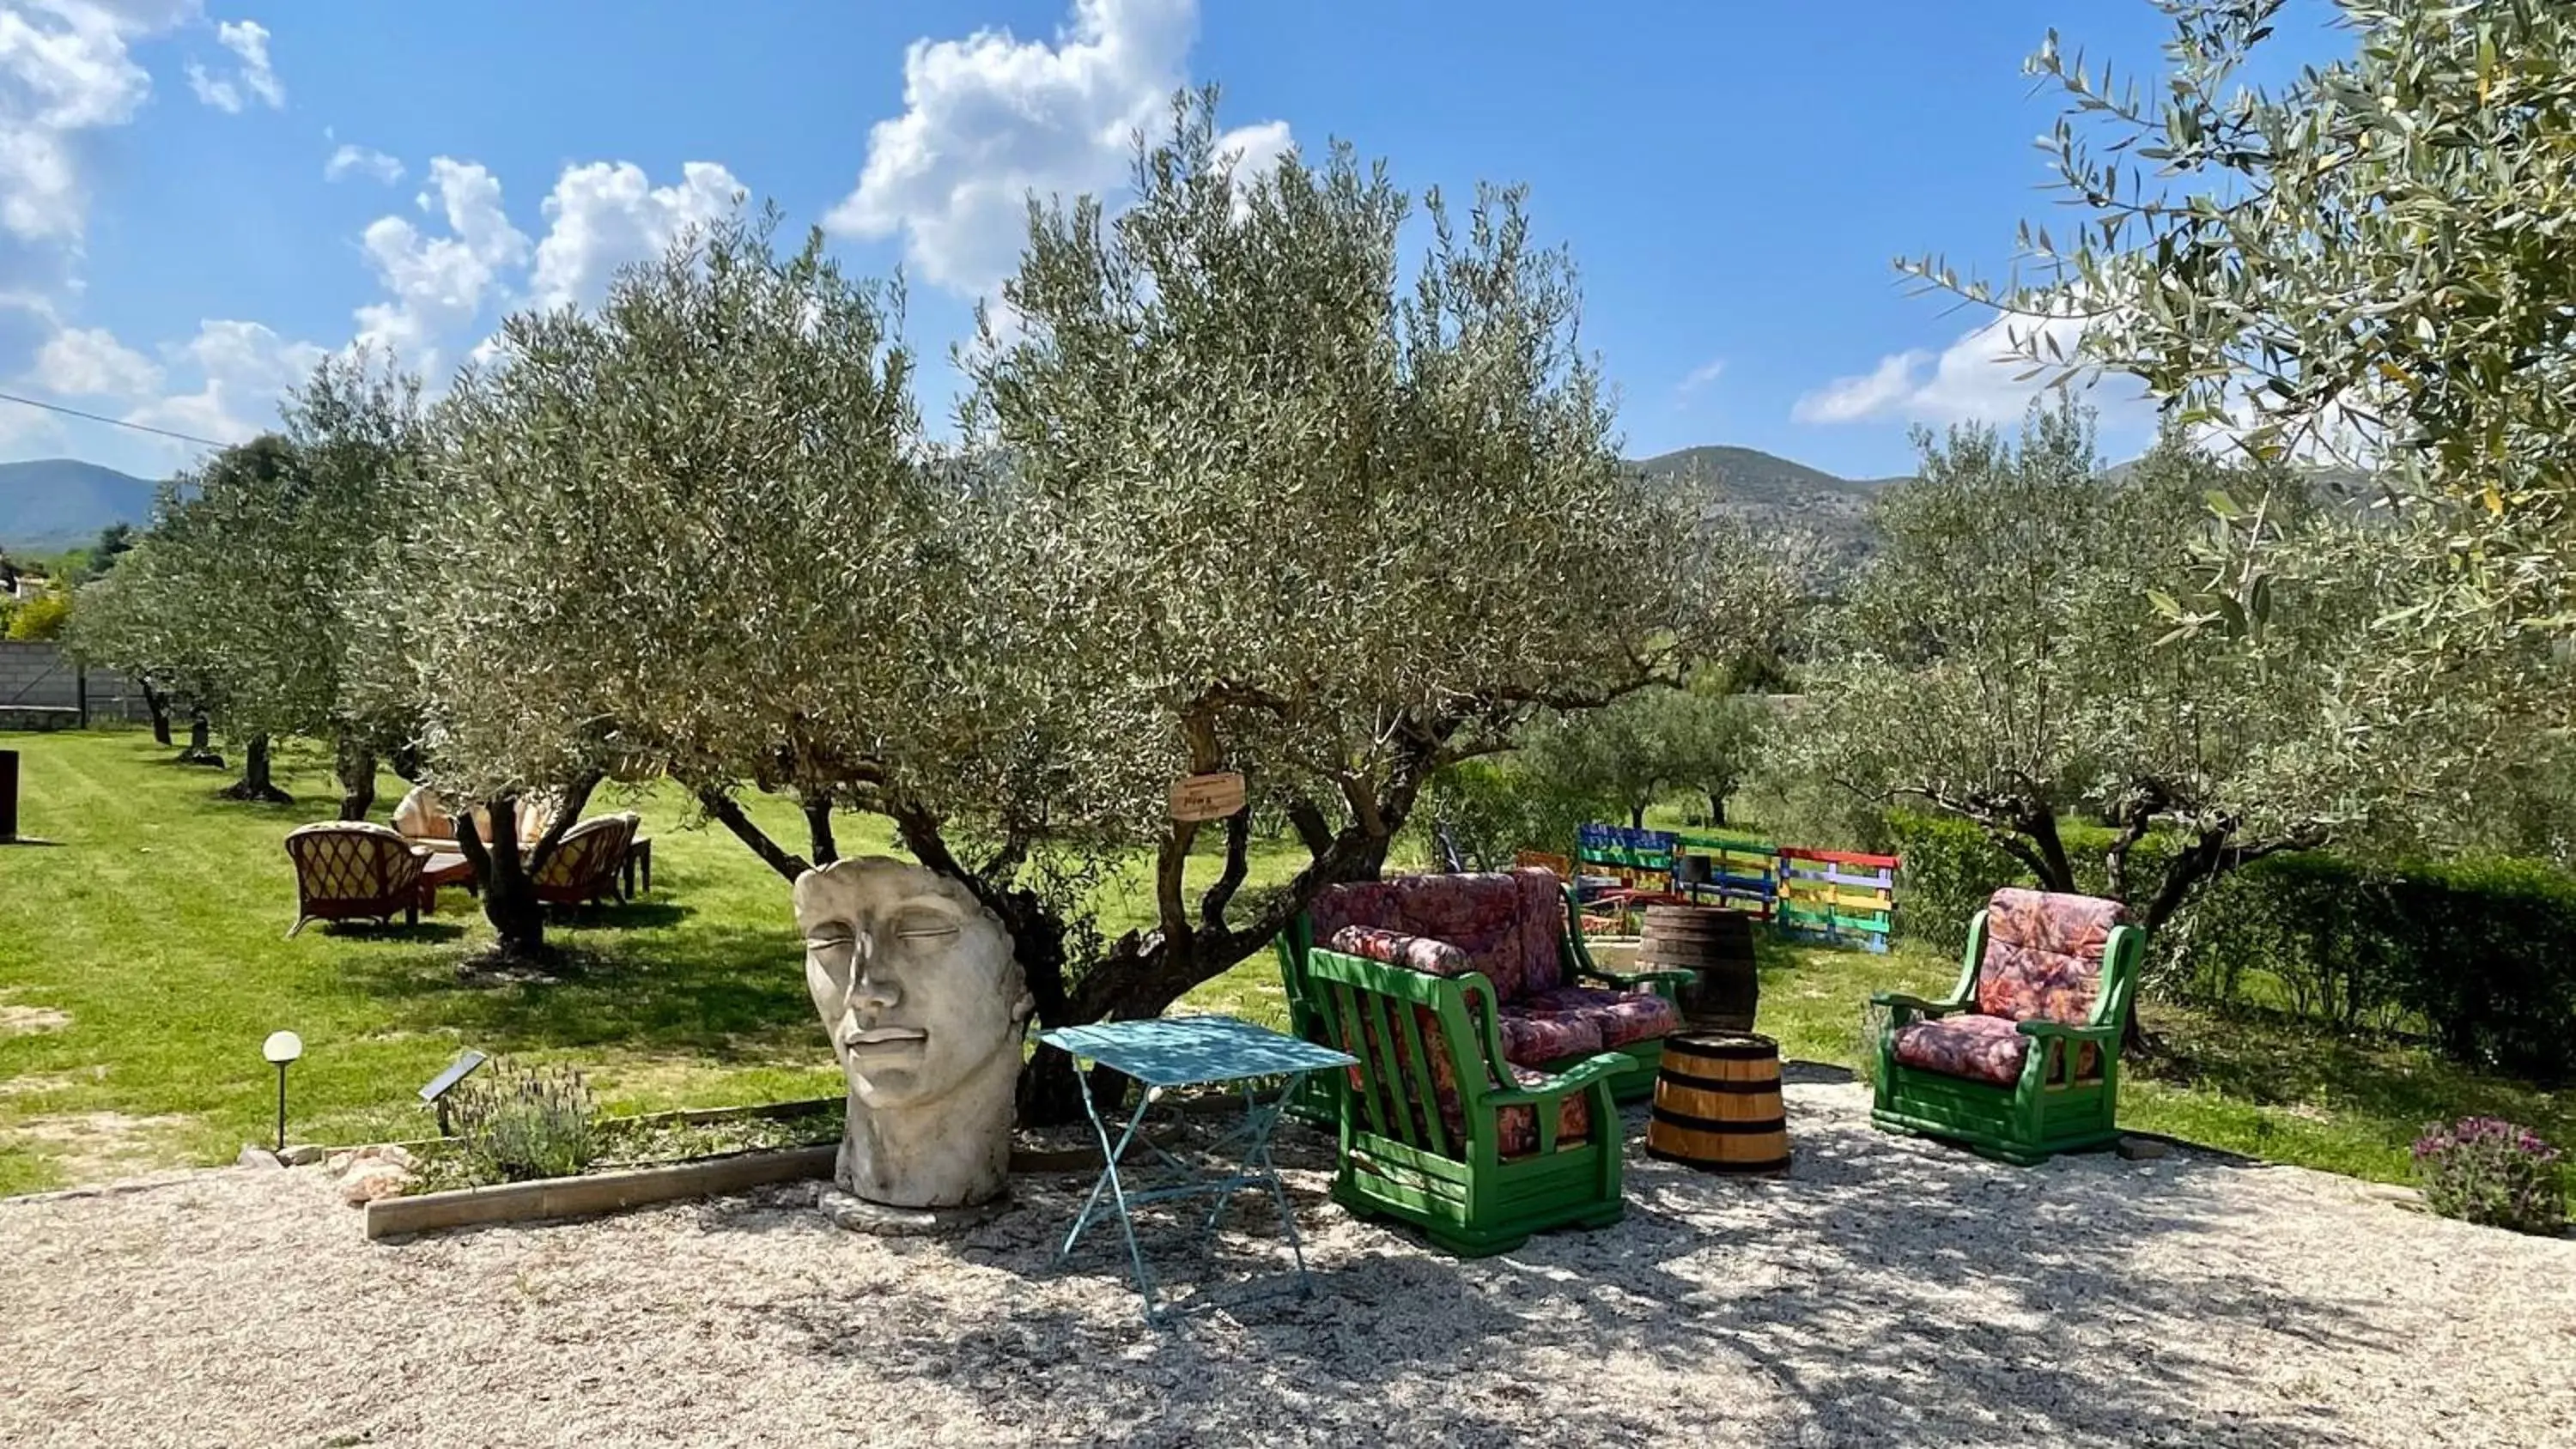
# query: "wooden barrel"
[1717,1104]
[1718,944]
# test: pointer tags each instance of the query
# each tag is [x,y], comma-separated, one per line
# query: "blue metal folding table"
[1191,1051]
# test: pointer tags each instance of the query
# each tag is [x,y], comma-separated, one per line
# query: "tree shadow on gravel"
[1889,1292]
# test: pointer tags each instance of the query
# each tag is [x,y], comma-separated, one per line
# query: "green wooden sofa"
[1431,1131]
[2022,1059]
[1518,927]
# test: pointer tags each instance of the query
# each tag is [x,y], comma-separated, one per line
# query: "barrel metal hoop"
[1712,1084]
[1672,1118]
[1747,1049]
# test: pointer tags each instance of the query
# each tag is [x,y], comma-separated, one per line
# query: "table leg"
[1110,1184]
[1258,1151]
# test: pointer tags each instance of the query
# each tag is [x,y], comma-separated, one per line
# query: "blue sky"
[199,197]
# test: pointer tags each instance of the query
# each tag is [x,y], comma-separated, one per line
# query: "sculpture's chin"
[889,1080]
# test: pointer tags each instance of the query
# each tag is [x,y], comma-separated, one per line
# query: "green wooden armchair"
[1518,928]
[1434,1129]
[2022,1059]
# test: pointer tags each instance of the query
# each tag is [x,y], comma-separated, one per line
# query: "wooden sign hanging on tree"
[1207,797]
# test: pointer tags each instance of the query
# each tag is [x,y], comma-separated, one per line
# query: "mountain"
[1774,492]
[58,503]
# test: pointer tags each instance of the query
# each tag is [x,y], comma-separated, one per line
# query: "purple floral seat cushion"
[1395,948]
[1979,1048]
[1622,1018]
[1509,923]
[2044,954]
[1518,1126]
[1545,1039]
[1532,1040]
[1530,1037]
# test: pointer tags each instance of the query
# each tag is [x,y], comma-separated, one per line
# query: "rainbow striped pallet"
[1743,873]
[1838,897]
[1637,859]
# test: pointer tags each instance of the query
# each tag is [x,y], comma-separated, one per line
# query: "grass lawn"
[142,961]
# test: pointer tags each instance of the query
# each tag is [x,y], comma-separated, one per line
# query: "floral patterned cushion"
[1414,953]
[2044,955]
[1623,1018]
[1518,1126]
[1508,922]
[1980,1048]
[1534,1040]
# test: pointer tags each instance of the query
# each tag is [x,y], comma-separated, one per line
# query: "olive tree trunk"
[159,704]
[255,784]
[201,748]
[357,771]
[506,877]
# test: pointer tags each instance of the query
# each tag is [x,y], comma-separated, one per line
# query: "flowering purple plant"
[2487,1170]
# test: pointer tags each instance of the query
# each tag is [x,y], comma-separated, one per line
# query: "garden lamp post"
[282,1047]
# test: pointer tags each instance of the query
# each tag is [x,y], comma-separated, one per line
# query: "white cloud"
[242,369]
[65,70]
[90,362]
[255,81]
[348,160]
[1700,376]
[1850,399]
[1255,148]
[607,214]
[1984,377]
[438,284]
[989,119]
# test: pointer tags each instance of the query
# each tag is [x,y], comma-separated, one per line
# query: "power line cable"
[111,422]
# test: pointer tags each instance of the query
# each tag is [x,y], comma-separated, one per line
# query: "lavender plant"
[2487,1170]
[521,1122]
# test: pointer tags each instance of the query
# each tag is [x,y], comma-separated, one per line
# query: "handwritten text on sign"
[1207,797]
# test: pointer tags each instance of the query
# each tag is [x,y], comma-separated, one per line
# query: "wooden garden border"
[615,1190]
[598,1192]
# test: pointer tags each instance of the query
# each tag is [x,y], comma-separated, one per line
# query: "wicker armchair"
[351,870]
[584,868]
[422,819]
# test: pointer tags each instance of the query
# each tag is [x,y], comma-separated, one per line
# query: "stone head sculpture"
[926,1006]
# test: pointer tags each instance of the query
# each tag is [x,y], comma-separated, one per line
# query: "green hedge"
[2479,954]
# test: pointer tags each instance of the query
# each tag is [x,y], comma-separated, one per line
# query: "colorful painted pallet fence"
[1743,873]
[1837,896]
[1637,859]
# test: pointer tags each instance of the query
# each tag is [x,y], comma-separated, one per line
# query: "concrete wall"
[37,676]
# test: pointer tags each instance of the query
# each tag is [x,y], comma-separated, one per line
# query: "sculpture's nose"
[871,989]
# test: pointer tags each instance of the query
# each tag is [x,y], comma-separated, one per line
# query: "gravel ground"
[1888,1292]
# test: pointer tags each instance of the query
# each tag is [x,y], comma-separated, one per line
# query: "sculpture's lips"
[886,1036]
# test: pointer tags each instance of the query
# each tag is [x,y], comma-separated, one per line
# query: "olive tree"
[243,596]
[357,428]
[1651,743]
[2362,260]
[138,620]
[230,606]
[2000,662]
[1268,497]
[686,535]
